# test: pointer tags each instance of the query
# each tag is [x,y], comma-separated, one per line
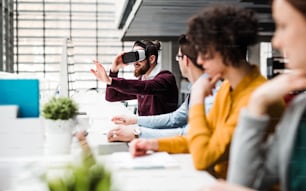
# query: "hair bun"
[156,44]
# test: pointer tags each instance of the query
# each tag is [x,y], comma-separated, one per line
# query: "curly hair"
[225,29]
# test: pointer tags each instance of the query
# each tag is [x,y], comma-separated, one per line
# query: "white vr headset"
[134,56]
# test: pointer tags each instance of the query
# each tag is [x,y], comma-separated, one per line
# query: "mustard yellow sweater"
[209,137]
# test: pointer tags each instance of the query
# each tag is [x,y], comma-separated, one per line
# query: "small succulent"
[88,175]
[60,108]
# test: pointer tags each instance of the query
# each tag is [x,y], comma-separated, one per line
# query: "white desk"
[181,178]
[23,173]
[100,113]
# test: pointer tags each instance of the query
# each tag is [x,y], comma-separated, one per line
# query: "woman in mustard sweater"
[221,36]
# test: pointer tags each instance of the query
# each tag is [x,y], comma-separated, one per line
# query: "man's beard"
[141,71]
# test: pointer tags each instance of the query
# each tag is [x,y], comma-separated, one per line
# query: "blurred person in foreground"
[282,159]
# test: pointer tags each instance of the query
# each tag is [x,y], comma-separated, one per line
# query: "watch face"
[137,132]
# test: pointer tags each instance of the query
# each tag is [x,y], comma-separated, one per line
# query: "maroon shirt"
[156,96]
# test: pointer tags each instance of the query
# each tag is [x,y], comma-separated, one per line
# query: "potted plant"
[60,116]
[62,108]
[87,175]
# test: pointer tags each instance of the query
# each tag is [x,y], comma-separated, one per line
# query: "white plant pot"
[58,136]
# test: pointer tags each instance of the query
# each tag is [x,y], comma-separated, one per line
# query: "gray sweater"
[257,165]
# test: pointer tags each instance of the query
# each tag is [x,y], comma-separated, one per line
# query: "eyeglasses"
[177,57]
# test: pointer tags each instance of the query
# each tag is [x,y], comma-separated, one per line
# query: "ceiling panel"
[167,19]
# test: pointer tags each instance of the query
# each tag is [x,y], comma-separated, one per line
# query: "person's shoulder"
[259,80]
[165,73]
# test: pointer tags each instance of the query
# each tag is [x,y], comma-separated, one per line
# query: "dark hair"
[299,5]
[225,29]
[150,47]
[188,50]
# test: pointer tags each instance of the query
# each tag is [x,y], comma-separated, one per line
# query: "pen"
[148,167]
[81,113]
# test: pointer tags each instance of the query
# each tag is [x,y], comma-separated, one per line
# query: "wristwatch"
[137,132]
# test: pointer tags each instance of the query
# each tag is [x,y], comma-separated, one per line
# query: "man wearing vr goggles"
[155,90]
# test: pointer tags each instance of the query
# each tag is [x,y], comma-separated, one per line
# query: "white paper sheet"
[124,160]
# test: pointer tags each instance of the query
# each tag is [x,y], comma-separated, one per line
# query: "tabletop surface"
[27,166]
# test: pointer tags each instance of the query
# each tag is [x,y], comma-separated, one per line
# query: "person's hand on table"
[121,133]
[140,147]
[124,120]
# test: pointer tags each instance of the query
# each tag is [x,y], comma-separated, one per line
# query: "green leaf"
[86,176]
[60,108]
